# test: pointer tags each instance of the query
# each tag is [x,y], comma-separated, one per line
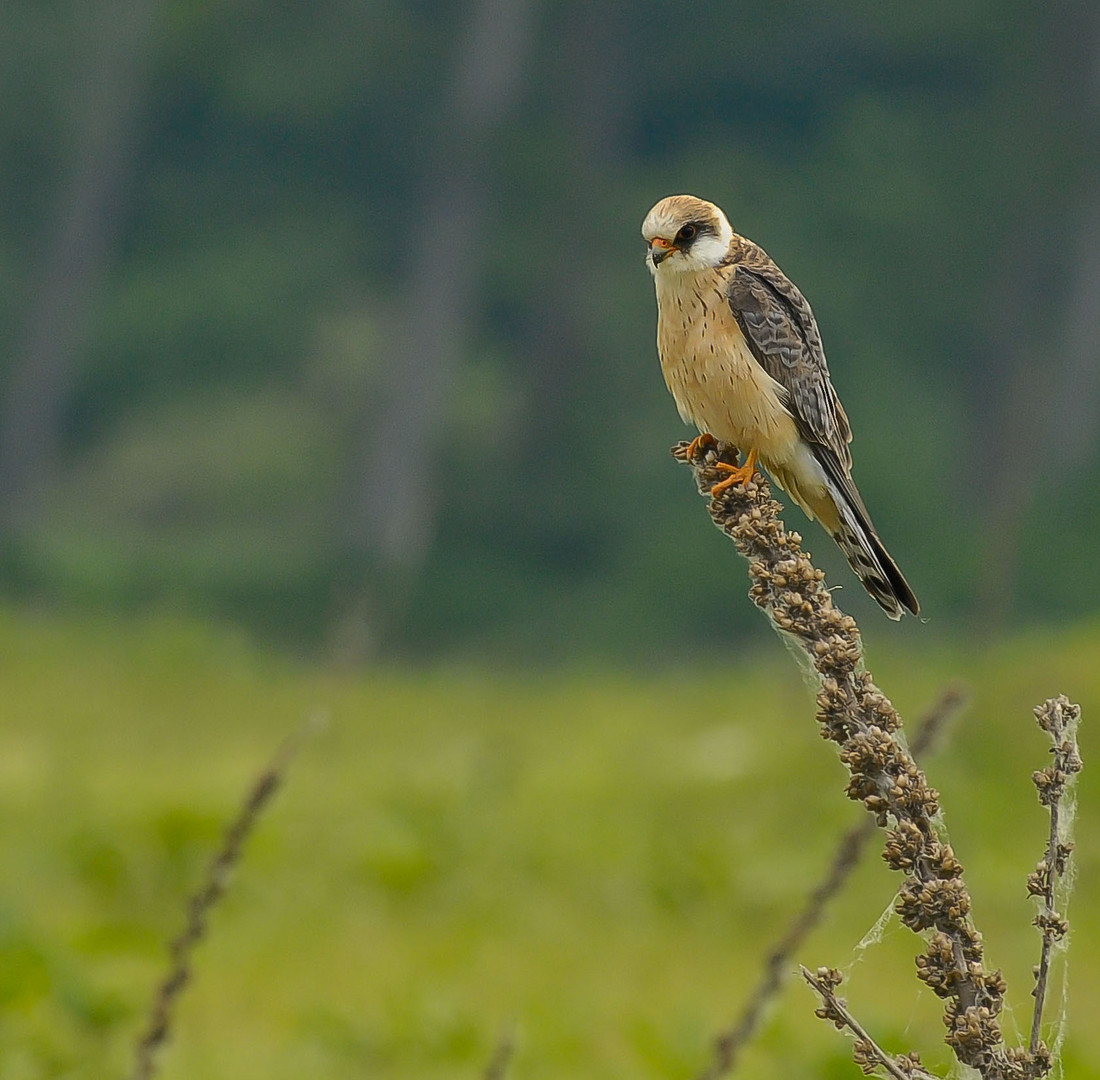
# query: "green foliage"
[602,859]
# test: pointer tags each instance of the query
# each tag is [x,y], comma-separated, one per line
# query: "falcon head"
[685,233]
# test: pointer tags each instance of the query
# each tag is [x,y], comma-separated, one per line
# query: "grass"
[600,858]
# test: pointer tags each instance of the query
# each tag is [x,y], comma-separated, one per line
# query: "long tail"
[865,552]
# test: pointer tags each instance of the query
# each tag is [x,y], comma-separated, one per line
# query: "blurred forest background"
[327,336]
[331,318]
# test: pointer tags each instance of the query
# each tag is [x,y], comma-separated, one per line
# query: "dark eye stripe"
[693,230]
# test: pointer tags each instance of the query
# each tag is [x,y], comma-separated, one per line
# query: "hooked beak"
[660,249]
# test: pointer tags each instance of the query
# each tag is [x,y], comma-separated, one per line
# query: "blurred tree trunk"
[1049,346]
[391,509]
[596,81]
[107,95]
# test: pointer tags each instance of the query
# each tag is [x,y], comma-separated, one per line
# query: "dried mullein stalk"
[853,713]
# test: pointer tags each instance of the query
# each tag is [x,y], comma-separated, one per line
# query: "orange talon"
[741,474]
[706,439]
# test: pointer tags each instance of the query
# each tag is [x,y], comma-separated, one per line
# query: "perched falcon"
[742,355]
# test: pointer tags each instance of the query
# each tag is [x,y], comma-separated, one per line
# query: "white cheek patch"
[705,254]
[707,251]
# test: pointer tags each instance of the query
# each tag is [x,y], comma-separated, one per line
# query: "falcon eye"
[687,233]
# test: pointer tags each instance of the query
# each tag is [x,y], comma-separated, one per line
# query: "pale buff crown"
[704,250]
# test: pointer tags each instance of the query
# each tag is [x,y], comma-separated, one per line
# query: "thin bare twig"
[869,1056]
[1058,717]
[728,1044]
[159,1026]
[503,1053]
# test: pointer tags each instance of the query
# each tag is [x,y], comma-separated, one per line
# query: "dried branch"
[1058,718]
[860,719]
[503,1053]
[728,1045]
[201,903]
[869,1056]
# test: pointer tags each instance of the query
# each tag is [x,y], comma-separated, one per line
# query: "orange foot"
[698,443]
[737,474]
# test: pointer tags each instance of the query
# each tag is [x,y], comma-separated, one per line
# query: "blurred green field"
[600,859]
